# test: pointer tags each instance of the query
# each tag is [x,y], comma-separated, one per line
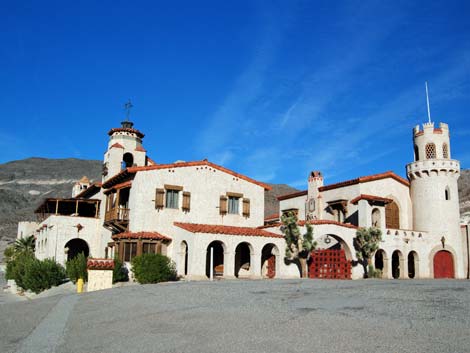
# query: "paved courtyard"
[246,316]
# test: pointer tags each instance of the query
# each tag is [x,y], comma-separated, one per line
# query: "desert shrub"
[17,267]
[76,268]
[153,268]
[32,274]
[120,273]
[41,275]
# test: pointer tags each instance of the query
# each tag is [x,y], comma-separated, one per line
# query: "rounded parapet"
[419,169]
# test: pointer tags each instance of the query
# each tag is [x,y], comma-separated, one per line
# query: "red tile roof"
[314,222]
[204,163]
[126,129]
[117,145]
[100,264]
[140,149]
[292,195]
[140,235]
[227,230]
[365,179]
[370,198]
[273,216]
[123,185]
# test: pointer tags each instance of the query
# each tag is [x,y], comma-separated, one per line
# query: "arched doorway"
[380,262]
[412,264]
[332,260]
[218,264]
[392,215]
[443,265]
[243,260]
[184,258]
[396,264]
[269,256]
[76,246]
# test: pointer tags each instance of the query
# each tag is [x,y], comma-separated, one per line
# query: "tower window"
[127,160]
[445,151]
[416,153]
[447,193]
[430,151]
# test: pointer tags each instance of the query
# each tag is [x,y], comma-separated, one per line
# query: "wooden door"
[443,265]
[271,266]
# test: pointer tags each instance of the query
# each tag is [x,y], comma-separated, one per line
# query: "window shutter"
[186,201]
[159,198]
[223,205]
[246,207]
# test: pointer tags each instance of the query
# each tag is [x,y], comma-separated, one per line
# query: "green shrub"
[41,275]
[76,268]
[120,273]
[153,268]
[17,267]
[374,273]
[32,274]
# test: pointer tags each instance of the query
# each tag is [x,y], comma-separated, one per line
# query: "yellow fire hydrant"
[80,285]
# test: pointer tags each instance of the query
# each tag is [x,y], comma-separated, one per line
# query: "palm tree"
[25,245]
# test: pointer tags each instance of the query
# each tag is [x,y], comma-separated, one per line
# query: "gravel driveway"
[247,316]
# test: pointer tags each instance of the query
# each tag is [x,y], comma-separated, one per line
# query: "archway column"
[388,271]
[403,268]
[229,264]
[255,264]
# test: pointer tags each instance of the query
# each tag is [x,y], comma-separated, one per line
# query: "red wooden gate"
[271,267]
[329,264]
[443,265]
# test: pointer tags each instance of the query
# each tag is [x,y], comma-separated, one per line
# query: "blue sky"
[269,89]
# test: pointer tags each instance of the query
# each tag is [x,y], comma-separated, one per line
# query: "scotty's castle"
[188,210]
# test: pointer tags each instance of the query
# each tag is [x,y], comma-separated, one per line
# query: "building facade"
[209,219]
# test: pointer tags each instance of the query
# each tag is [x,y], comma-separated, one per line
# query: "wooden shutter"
[223,205]
[392,216]
[246,207]
[186,201]
[159,198]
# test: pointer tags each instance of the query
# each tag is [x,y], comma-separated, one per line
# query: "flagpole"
[427,101]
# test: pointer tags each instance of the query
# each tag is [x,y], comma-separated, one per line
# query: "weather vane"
[128,107]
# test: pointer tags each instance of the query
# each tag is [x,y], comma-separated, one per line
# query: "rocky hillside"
[24,183]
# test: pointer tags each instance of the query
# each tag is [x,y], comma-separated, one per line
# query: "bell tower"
[124,148]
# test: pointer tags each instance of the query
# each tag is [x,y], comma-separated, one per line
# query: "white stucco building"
[188,209]
[419,217]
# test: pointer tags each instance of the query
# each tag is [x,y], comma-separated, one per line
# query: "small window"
[447,193]
[445,151]
[148,248]
[416,153]
[172,197]
[430,151]
[130,251]
[233,204]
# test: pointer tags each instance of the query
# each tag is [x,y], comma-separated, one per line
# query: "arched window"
[128,160]
[416,153]
[445,151]
[447,193]
[392,216]
[376,218]
[430,151]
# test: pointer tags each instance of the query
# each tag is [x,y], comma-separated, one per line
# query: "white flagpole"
[427,101]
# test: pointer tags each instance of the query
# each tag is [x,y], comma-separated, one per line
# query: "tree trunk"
[303,267]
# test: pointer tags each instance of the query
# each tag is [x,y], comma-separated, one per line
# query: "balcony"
[117,219]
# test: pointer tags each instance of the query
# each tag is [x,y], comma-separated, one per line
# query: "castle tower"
[313,205]
[433,185]
[124,150]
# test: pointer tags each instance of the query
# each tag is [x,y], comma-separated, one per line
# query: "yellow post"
[80,285]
